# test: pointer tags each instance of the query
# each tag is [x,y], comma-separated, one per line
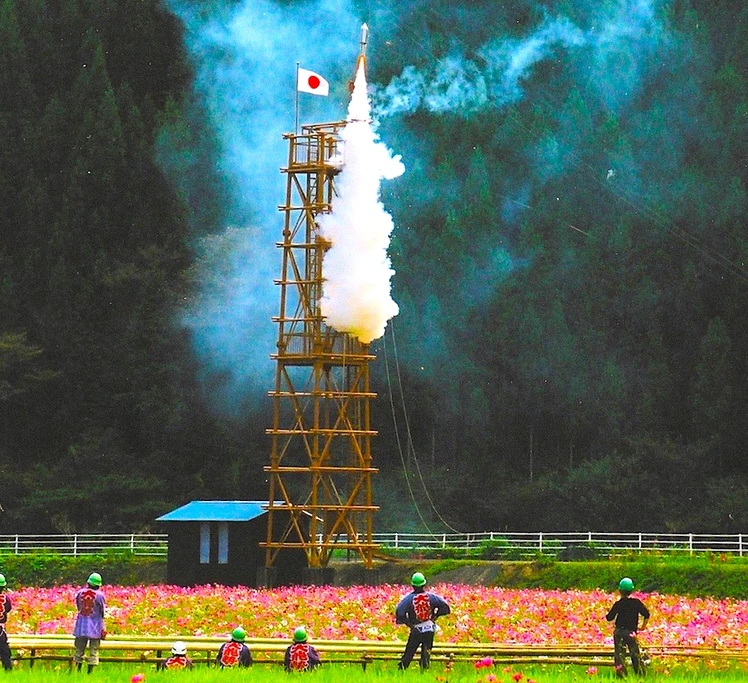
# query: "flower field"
[479,614]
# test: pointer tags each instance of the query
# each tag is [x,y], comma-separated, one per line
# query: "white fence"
[525,544]
[551,543]
[85,544]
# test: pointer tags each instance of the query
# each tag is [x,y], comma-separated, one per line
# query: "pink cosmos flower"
[137,678]
[484,663]
[522,617]
[592,670]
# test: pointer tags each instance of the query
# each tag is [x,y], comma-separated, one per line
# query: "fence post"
[16,544]
[540,542]
[75,545]
[444,540]
[396,541]
[640,540]
[132,543]
[690,544]
[740,545]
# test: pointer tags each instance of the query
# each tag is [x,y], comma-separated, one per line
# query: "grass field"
[377,673]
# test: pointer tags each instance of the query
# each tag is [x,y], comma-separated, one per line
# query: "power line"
[410,445]
[397,438]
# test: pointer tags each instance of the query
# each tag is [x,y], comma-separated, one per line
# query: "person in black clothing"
[626,611]
[418,610]
[235,652]
[301,656]
[5,607]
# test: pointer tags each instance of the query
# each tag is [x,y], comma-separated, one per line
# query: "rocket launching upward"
[356,292]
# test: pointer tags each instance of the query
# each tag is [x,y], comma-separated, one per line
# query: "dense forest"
[570,250]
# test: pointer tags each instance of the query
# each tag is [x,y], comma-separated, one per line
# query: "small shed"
[217,541]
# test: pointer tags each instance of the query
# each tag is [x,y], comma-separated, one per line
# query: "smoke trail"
[244,56]
[357,271]
[614,50]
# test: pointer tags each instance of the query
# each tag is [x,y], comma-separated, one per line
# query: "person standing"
[626,611]
[300,656]
[235,652]
[89,623]
[179,658]
[419,610]
[5,607]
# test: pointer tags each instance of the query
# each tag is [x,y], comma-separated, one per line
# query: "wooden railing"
[203,650]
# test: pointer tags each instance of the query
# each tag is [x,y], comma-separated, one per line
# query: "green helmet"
[418,580]
[238,634]
[626,584]
[94,579]
[3,582]
[299,635]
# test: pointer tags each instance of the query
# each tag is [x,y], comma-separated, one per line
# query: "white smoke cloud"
[356,293]
[616,48]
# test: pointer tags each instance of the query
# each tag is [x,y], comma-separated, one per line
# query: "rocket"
[364,39]
[363,43]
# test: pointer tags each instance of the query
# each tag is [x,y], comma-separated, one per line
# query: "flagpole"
[296,117]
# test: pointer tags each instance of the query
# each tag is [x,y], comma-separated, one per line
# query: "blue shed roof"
[218,511]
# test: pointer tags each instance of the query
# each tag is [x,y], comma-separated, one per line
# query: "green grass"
[376,673]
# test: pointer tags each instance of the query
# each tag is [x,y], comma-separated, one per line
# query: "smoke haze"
[611,56]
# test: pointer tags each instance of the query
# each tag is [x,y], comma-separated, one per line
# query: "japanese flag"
[313,83]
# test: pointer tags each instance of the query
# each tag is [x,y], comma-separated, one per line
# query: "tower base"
[267,577]
[322,576]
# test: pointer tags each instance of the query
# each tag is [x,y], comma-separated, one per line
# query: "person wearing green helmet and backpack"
[626,611]
[89,622]
[418,610]
[235,652]
[301,656]
[5,607]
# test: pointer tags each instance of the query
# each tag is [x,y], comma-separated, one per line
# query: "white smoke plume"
[356,293]
[614,48]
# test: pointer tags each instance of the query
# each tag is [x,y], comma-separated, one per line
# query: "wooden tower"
[320,460]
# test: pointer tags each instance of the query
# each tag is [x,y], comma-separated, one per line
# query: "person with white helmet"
[179,658]
[626,611]
[89,622]
[301,656]
[419,610]
[5,607]
[235,652]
